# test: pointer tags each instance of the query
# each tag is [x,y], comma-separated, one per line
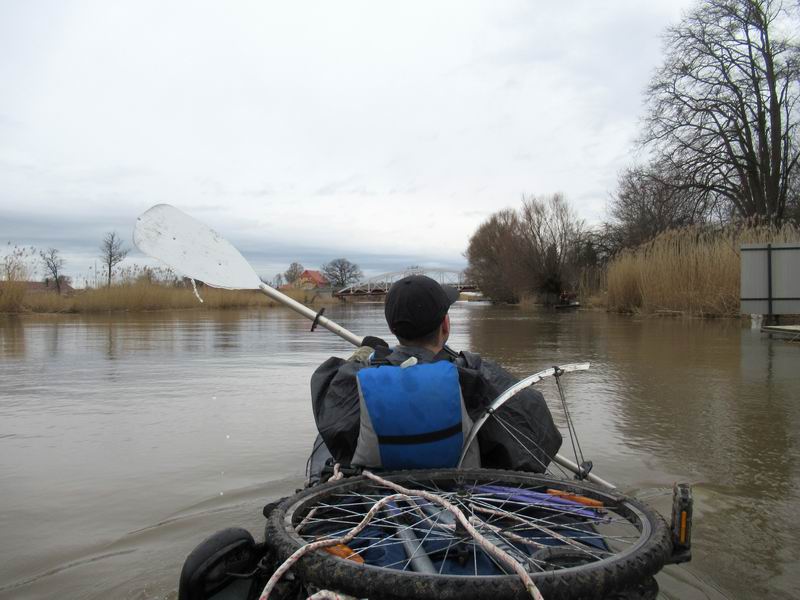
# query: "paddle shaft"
[303,310]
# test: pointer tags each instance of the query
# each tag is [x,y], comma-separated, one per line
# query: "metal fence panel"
[770,279]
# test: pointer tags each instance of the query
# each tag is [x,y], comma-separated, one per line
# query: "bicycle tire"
[642,559]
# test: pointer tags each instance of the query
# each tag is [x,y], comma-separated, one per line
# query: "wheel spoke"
[509,427]
[548,527]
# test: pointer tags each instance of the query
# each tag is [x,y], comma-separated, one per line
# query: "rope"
[307,518]
[509,534]
[564,539]
[406,494]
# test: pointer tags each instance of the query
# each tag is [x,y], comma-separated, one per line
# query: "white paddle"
[194,250]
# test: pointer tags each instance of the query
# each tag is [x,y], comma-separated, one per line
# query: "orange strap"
[576,498]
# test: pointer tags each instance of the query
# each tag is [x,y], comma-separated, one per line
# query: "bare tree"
[275,282]
[552,239]
[292,274]
[113,253]
[723,108]
[493,254]
[53,266]
[649,200]
[17,263]
[341,272]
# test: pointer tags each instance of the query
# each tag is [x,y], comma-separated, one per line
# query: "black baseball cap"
[416,305]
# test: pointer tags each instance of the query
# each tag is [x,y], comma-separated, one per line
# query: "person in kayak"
[411,406]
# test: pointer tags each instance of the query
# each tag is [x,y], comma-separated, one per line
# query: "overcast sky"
[384,132]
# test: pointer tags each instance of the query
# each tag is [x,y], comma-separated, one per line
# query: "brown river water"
[126,439]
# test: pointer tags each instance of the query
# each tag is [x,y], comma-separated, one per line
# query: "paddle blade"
[192,249]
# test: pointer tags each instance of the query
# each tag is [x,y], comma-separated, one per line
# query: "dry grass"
[12,294]
[692,270]
[143,296]
[592,286]
[15,268]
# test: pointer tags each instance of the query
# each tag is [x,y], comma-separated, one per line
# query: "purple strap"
[538,499]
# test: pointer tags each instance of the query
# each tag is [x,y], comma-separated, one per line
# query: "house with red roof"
[310,279]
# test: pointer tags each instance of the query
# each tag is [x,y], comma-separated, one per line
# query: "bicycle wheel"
[575,539]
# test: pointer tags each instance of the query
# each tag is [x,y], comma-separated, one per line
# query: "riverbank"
[694,271]
[142,296]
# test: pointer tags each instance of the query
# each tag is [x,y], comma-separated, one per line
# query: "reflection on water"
[125,439]
[12,337]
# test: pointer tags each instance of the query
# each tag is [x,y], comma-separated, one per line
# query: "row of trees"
[722,137]
[14,266]
[340,272]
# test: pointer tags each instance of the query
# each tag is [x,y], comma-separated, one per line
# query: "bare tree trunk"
[53,264]
[113,252]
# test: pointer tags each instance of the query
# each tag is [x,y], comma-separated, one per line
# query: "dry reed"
[143,295]
[15,268]
[693,270]
[12,294]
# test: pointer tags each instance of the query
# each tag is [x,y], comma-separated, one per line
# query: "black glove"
[373,342]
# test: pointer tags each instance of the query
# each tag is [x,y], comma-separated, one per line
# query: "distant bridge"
[378,285]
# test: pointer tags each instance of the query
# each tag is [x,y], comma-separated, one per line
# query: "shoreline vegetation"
[141,296]
[134,288]
[542,251]
[138,288]
[694,271]
[690,271]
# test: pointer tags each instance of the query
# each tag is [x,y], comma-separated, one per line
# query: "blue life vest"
[411,418]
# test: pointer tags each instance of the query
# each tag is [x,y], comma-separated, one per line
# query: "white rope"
[566,540]
[499,530]
[307,518]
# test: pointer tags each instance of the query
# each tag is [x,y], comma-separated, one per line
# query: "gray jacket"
[523,438]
